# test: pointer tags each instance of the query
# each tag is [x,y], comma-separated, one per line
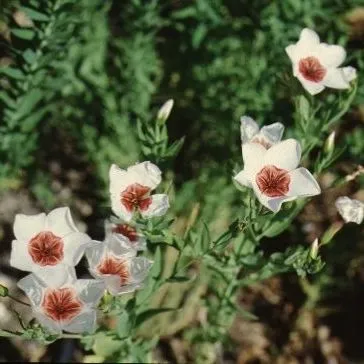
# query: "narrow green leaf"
[158,264]
[174,148]
[178,279]
[29,56]
[304,107]
[12,73]
[26,34]
[199,35]
[148,314]
[33,119]
[28,103]
[34,14]
[125,324]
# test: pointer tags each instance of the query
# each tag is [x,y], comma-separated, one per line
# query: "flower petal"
[52,327]
[113,285]
[60,222]
[119,180]
[308,38]
[139,269]
[19,256]
[335,78]
[272,203]
[253,155]
[307,44]
[74,247]
[349,73]
[273,132]
[95,252]
[146,173]
[118,208]
[119,245]
[56,276]
[90,290]
[302,184]
[27,226]
[85,322]
[33,288]
[294,52]
[313,88]
[350,210]
[243,179]
[248,128]
[158,207]
[285,155]
[331,55]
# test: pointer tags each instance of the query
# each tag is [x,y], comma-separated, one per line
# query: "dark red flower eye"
[273,181]
[46,249]
[127,231]
[136,196]
[115,266]
[61,304]
[311,69]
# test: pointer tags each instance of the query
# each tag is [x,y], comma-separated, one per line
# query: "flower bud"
[4,292]
[314,249]
[164,111]
[330,143]
[349,73]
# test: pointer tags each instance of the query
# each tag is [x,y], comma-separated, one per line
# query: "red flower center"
[273,181]
[114,266]
[61,304]
[126,230]
[46,248]
[311,69]
[262,142]
[136,196]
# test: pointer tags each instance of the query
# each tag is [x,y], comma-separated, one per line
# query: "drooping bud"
[330,143]
[314,249]
[4,292]
[164,111]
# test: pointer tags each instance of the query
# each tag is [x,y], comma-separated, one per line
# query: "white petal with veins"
[350,210]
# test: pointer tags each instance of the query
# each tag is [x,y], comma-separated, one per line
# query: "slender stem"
[19,301]
[71,336]
[8,333]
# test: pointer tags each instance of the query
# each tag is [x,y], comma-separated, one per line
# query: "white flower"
[130,191]
[273,173]
[47,241]
[118,266]
[60,302]
[350,210]
[266,136]
[165,110]
[126,232]
[316,65]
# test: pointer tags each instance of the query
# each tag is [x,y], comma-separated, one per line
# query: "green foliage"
[96,71]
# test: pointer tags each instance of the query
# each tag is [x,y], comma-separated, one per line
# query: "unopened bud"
[330,143]
[164,111]
[314,249]
[331,232]
[4,292]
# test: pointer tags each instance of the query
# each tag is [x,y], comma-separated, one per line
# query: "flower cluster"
[50,246]
[271,166]
[316,64]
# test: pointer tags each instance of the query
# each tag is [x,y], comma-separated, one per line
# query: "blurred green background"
[77,75]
